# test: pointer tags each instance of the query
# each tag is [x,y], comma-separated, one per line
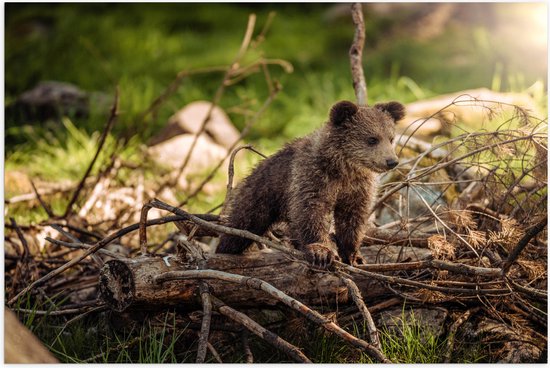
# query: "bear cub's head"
[366,133]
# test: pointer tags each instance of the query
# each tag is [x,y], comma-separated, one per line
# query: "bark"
[130,282]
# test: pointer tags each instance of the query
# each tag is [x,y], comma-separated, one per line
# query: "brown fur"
[330,173]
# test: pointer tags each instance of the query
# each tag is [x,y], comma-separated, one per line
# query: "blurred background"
[413,51]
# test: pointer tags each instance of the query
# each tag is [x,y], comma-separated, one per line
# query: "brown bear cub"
[328,174]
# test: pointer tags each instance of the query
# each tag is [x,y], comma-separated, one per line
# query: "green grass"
[411,342]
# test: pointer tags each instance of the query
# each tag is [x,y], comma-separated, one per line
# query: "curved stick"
[259,331]
[298,306]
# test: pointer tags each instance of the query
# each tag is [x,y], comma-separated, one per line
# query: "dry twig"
[268,336]
[356,296]
[102,139]
[231,168]
[219,92]
[454,328]
[206,318]
[282,297]
[356,54]
[530,234]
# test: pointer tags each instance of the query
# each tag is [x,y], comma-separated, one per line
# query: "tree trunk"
[129,282]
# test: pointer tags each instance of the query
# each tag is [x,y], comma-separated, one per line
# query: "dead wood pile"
[462,226]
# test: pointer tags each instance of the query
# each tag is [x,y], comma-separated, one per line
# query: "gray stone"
[415,202]
[50,100]
[431,321]
[190,119]
[173,151]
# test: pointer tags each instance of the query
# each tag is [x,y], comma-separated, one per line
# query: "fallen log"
[125,283]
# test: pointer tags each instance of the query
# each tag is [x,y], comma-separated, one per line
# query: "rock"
[420,126]
[49,100]
[468,112]
[431,322]
[415,201]
[189,120]
[173,151]
[16,182]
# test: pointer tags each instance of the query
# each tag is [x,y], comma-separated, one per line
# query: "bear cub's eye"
[371,141]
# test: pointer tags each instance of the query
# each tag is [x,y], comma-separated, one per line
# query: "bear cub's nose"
[392,163]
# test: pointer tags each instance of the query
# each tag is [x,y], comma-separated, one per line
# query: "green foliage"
[141,47]
[53,154]
[411,342]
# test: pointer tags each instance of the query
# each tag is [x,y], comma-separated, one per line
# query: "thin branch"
[268,336]
[206,318]
[459,268]
[182,215]
[454,328]
[63,312]
[356,55]
[100,244]
[530,234]
[44,205]
[102,139]
[217,96]
[258,284]
[358,299]
[231,168]
[80,245]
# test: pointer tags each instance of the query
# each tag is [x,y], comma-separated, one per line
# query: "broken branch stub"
[356,54]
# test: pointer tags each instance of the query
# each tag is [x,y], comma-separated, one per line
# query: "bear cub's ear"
[342,111]
[394,108]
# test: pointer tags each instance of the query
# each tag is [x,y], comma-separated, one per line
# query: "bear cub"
[330,174]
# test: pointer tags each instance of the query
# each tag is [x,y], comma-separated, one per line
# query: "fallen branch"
[268,336]
[100,244]
[206,318]
[258,284]
[356,296]
[454,328]
[530,234]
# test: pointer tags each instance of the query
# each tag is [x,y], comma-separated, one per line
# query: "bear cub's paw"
[320,255]
[353,258]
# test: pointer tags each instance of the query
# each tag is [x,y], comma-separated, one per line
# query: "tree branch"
[356,54]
